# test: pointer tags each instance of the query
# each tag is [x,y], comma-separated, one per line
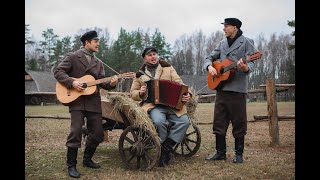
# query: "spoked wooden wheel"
[139,149]
[190,143]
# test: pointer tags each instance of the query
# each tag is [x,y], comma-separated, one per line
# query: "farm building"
[39,87]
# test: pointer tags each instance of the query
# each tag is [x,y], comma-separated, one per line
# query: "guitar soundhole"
[84,85]
[221,70]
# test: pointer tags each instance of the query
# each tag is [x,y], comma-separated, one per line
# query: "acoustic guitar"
[223,69]
[65,95]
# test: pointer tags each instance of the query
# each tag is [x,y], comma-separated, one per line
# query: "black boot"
[166,149]
[163,157]
[221,149]
[87,161]
[238,146]
[72,154]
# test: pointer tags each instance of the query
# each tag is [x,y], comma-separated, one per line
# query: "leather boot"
[163,157]
[72,154]
[166,149]
[221,149]
[238,146]
[87,161]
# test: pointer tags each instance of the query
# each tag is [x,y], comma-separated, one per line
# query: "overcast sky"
[172,17]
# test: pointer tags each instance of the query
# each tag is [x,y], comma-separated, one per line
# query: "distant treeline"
[186,54]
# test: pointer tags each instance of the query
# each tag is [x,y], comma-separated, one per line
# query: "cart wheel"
[34,100]
[190,143]
[139,149]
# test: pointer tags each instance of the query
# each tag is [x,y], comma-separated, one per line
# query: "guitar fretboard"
[99,81]
[234,64]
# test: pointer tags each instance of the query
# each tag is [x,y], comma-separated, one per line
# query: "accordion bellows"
[166,92]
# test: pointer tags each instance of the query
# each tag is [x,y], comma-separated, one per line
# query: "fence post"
[272,112]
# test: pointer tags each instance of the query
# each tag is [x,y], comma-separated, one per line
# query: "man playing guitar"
[230,102]
[76,65]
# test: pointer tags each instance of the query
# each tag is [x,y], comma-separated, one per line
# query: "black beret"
[89,35]
[148,49]
[233,21]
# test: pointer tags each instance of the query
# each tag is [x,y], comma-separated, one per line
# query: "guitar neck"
[230,66]
[234,64]
[99,81]
[249,58]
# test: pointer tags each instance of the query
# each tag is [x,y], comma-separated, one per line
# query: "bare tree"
[199,40]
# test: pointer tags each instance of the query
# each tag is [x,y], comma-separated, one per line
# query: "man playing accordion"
[161,114]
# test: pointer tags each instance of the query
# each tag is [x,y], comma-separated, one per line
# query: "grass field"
[45,151]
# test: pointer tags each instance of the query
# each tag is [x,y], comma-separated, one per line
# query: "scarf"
[231,40]
[89,54]
[152,67]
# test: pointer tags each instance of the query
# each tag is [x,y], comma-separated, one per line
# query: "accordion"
[166,92]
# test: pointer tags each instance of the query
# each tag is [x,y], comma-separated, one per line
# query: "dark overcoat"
[75,65]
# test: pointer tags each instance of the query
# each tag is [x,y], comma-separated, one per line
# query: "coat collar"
[84,61]
[162,64]
[238,42]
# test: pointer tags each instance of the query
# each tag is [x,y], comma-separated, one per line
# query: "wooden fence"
[270,89]
[273,118]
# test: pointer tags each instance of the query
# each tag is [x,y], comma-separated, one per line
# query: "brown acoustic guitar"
[65,95]
[225,70]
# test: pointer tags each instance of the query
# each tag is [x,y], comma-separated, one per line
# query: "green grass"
[45,151]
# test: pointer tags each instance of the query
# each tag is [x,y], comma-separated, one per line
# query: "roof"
[198,83]
[41,81]
[44,81]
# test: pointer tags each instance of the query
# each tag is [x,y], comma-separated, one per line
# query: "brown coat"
[164,71]
[75,65]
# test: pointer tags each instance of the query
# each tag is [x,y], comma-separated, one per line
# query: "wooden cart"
[139,143]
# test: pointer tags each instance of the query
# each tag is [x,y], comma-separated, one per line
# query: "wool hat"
[89,35]
[233,21]
[148,49]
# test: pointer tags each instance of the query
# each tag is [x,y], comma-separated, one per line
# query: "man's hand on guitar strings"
[77,85]
[212,70]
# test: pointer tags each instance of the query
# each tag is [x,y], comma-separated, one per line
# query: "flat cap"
[148,49]
[89,35]
[233,21]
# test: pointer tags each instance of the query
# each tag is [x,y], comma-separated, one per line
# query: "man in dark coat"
[230,103]
[74,66]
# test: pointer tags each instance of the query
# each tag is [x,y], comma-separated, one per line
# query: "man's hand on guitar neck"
[114,81]
[243,65]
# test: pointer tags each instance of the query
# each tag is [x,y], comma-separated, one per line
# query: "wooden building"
[39,88]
